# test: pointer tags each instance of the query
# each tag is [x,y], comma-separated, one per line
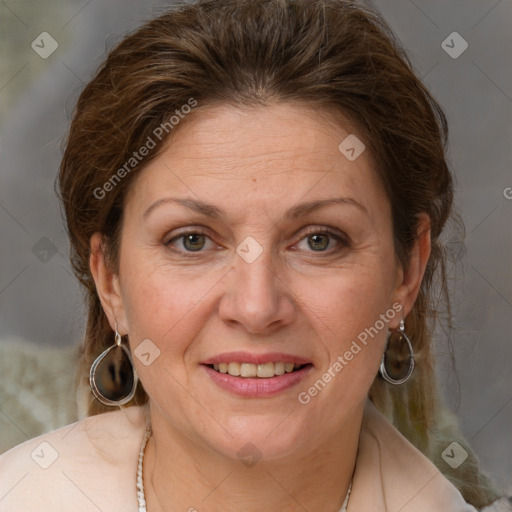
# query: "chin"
[260,438]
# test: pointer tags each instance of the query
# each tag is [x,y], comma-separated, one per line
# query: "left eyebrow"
[305,208]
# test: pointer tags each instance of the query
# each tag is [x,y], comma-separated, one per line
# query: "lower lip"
[256,387]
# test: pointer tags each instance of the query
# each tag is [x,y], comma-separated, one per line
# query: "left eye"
[320,239]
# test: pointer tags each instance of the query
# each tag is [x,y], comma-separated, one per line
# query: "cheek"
[158,311]
[359,330]
[354,318]
[357,297]
[162,303]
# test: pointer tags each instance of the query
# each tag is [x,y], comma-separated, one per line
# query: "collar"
[392,475]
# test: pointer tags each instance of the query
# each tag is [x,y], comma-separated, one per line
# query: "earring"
[112,377]
[398,377]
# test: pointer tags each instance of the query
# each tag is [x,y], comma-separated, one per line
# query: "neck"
[180,475]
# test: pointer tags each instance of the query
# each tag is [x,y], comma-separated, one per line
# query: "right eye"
[192,241]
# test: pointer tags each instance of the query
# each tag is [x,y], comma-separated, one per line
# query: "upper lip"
[248,357]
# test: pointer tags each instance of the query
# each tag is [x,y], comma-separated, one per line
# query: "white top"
[91,465]
[141,498]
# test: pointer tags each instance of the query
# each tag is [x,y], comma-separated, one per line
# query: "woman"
[254,193]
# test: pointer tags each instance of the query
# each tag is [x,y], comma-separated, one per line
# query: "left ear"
[410,278]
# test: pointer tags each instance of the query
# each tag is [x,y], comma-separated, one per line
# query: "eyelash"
[342,239]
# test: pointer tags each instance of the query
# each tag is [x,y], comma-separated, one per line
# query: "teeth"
[234,369]
[262,371]
[265,370]
[278,368]
[248,370]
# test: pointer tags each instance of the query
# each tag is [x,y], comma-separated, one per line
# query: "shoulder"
[89,463]
[408,480]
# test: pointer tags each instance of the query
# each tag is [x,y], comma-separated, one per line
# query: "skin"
[256,164]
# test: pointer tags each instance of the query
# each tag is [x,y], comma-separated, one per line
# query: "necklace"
[140,483]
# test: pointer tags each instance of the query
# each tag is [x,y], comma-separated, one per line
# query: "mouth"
[250,375]
[259,371]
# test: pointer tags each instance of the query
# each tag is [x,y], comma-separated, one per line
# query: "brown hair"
[333,55]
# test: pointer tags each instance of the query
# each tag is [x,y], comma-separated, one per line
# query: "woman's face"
[253,239]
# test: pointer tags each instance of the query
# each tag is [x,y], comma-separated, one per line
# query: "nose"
[257,297]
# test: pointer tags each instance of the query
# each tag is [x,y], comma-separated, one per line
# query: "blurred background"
[50,48]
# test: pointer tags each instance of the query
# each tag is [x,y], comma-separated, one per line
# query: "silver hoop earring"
[401,378]
[112,377]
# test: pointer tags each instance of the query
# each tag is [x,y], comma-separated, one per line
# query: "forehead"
[276,133]
[226,153]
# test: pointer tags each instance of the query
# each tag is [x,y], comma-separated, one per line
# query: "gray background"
[39,298]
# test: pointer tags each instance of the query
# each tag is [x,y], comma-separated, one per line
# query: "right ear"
[107,284]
